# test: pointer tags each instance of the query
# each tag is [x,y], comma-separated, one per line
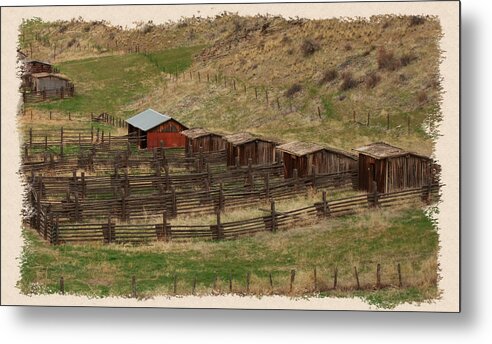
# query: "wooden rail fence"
[49,226]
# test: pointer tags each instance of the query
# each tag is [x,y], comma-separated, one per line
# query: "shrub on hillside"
[372,79]
[348,81]
[406,59]
[71,42]
[309,47]
[422,97]
[293,90]
[387,60]
[328,76]
[416,20]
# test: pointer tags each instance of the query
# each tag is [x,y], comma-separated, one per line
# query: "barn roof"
[382,150]
[53,75]
[299,148]
[148,119]
[239,138]
[244,137]
[37,61]
[195,133]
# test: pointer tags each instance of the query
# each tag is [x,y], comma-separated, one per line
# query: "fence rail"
[52,229]
[140,197]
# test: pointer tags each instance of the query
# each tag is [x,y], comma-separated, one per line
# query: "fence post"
[356,277]
[399,276]
[335,278]
[62,285]
[92,133]
[267,186]
[123,207]
[221,198]
[220,234]
[292,278]
[274,216]
[326,206]
[248,277]
[165,228]
[134,287]
[175,283]
[313,175]
[378,276]
[250,174]
[83,184]
[296,179]
[77,207]
[174,201]
[55,232]
[315,277]
[61,141]
[375,194]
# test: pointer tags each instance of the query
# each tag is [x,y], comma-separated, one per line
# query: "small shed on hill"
[49,81]
[151,127]
[246,146]
[305,156]
[35,66]
[199,137]
[392,168]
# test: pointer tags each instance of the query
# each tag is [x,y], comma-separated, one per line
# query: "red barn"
[152,127]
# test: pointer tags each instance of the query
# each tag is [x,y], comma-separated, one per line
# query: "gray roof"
[147,119]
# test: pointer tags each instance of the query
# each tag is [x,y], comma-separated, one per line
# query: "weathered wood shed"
[305,156]
[152,127]
[49,81]
[392,168]
[36,66]
[199,137]
[246,146]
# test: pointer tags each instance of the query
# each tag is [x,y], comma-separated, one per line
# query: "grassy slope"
[273,58]
[110,83]
[385,237]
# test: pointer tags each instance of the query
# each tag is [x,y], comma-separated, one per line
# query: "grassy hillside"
[362,240]
[110,83]
[324,78]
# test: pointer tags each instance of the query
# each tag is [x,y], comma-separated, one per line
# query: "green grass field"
[387,237]
[111,83]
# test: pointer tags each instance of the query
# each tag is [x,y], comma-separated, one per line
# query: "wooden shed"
[305,156]
[246,146]
[392,168]
[199,137]
[36,66]
[49,81]
[152,127]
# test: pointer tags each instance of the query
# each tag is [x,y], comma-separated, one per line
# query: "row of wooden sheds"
[390,167]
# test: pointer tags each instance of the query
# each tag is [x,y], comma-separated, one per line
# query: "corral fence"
[53,230]
[175,194]
[40,96]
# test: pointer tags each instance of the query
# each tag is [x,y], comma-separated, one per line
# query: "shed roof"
[38,61]
[382,150]
[148,119]
[299,148]
[195,133]
[52,75]
[239,138]
[245,137]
